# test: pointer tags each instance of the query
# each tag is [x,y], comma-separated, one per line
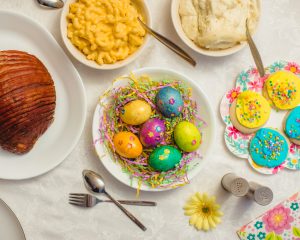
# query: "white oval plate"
[21,33]
[204,109]
[10,227]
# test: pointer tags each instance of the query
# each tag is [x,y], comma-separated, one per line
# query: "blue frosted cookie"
[292,125]
[268,148]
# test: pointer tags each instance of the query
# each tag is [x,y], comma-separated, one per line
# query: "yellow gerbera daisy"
[204,213]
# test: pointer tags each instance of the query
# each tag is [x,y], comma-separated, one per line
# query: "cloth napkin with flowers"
[280,223]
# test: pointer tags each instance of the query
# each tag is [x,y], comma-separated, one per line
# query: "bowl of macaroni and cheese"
[105,34]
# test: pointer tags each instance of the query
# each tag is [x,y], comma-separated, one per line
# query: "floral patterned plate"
[237,142]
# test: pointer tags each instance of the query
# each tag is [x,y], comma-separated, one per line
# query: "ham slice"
[27,100]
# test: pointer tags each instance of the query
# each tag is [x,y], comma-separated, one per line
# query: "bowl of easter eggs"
[153,129]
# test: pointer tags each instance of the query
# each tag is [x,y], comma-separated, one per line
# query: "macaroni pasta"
[106,31]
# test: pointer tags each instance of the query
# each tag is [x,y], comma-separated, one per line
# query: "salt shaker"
[236,185]
[261,194]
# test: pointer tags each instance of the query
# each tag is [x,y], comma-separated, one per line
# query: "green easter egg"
[187,136]
[164,158]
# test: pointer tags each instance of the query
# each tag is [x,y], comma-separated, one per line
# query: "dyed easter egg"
[187,136]
[127,145]
[169,102]
[135,112]
[164,158]
[152,132]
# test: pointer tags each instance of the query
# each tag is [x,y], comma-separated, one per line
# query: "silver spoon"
[168,44]
[94,182]
[255,54]
[51,3]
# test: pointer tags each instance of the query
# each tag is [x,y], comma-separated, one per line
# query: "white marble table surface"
[41,203]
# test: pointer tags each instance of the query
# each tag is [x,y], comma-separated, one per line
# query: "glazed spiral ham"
[27,100]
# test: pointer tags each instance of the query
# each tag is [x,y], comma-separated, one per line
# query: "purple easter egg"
[152,132]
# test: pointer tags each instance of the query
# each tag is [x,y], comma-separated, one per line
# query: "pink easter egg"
[152,132]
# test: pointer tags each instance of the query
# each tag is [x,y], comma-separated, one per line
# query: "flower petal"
[190,212]
[194,198]
[204,197]
[216,207]
[217,220]
[218,214]
[189,207]
[211,222]
[193,219]
[199,223]
[199,196]
[205,224]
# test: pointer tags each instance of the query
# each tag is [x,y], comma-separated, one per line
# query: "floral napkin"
[280,223]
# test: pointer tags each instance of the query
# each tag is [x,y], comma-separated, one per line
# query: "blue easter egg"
[169,102]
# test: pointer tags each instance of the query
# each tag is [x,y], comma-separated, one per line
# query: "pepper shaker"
[261,194]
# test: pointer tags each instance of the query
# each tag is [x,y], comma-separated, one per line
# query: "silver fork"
[88,200]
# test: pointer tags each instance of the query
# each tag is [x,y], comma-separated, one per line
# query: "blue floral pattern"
[251,236]
[258,225]
[261,235]
[277,66]
[294,206]
[242,80]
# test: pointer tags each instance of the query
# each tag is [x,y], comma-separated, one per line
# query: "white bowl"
[213,53]
[76,53]
[205,111]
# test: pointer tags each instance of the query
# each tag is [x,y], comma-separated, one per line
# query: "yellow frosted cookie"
[249,112]
[282,88]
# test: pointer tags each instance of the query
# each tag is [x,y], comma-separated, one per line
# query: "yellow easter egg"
[135,112]
[127,145]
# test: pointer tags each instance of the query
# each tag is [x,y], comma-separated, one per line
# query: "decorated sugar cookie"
[238,142]
[291,125]
[249,112]
[268,148]
[282,88]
